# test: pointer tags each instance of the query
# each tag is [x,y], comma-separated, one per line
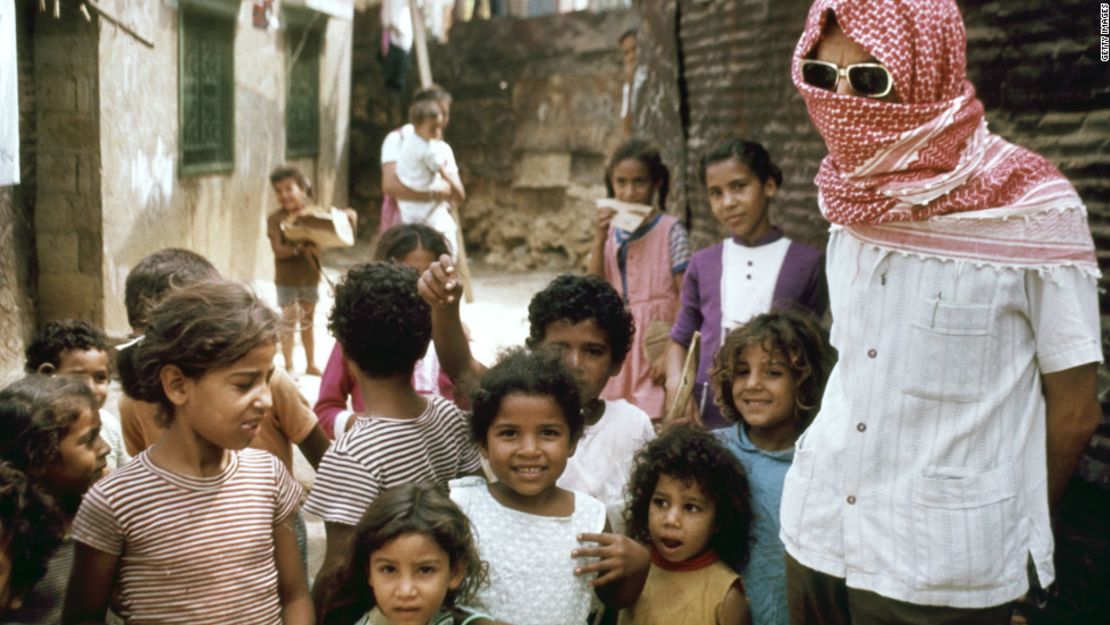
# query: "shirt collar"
[773,235]
[783,455]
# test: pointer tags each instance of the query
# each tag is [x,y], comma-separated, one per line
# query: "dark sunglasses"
[867,79]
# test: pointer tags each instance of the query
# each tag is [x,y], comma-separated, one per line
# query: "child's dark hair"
[289,170]
[631,32]
[693,456]
[407,509]
[648,154]
[57,337]
[538,373]
[30,528]
[579,298]
[36,413]
[380,320]
[208,326]
[796,335]
[753,155]
[421,111]
[400,241]
[156,274]
[434,93]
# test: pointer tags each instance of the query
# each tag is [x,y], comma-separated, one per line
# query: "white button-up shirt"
[924,477]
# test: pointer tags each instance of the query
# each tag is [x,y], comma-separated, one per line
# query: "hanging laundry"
[9,97]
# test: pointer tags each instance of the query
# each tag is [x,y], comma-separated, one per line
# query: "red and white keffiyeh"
[924,175]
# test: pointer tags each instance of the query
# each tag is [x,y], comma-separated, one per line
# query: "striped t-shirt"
[192,550]
[379,452]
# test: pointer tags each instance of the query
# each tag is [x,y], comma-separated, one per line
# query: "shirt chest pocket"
[949,346]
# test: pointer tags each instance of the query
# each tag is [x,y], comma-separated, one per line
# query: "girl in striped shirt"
[197,529]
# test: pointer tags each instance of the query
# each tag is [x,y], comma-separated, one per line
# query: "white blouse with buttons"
[748,278]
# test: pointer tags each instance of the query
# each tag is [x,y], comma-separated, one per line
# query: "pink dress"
[650,293]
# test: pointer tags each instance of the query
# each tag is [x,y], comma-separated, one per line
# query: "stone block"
[68,131]
[542,170]
[57,252]
[63,212]
[57,172]
[88,174]
[69,295]
[58,93]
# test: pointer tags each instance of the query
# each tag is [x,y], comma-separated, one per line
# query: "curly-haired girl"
[415,551]
[688,499]
[767,378]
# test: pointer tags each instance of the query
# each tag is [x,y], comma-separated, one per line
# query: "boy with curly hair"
[584,320]
[77,349]
[384,328]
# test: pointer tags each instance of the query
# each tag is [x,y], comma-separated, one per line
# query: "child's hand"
[439,285]
[618,557]
[604,218]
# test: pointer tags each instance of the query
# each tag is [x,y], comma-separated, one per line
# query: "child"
[527,418]
[425,163]
[30,532]
[688,498]
[384,327]
[197,529]
[50,432]
[415,552]
[76,349]
[296,265]
[768,378]
[411,245]
[645,266]
[583,319]
[756,270]
[288,422]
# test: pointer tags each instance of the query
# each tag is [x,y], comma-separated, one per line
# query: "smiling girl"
[768,378]
[197,529]
[755,270]
[527,419]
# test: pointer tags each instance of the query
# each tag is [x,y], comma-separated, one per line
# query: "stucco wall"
[147,204]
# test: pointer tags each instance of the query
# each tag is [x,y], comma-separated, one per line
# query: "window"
[302,97]
[206,68]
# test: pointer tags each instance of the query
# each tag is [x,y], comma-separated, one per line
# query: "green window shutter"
[207,89]
[302,98]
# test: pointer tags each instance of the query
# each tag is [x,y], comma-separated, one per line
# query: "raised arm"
[596,264]
[442,290]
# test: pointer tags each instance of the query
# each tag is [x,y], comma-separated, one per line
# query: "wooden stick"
[420,42]
[686,381]
[108,15]
[460,263]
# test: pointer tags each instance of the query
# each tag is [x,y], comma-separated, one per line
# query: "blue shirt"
[765,574]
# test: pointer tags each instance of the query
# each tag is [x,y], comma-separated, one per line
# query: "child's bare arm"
[314,445]
[440,287]
[458,192]
[282,250]
[734,609]
[335,553]
[392,185]
[596,264]
[90,586]
[622,567]
[296,603]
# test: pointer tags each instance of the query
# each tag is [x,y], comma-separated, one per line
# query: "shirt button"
[851,500]
[871,353]
[749,276]
[749,263]
[861,427]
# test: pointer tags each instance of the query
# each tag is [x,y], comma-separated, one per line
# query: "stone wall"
[535,115]
[17,240]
